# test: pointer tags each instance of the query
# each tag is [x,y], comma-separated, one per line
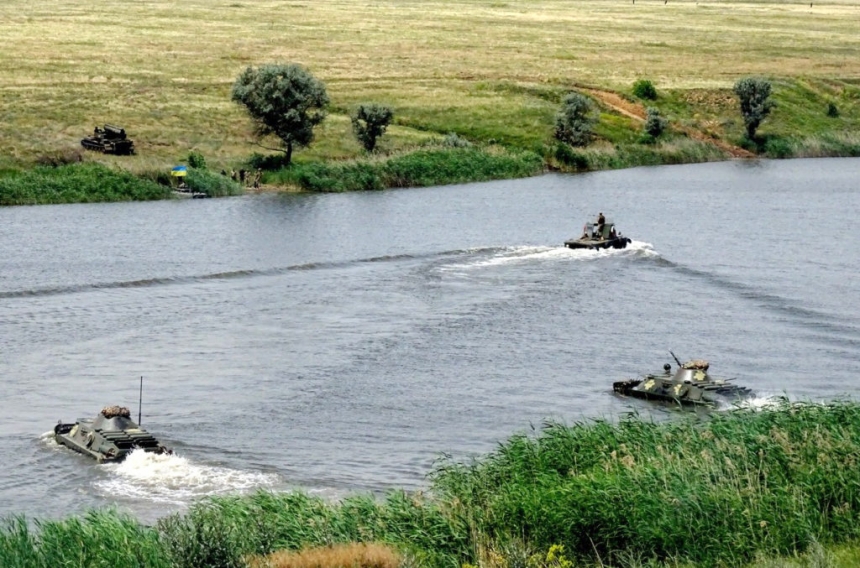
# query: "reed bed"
[423,167]
[741,487]
[716,492]
[98,539]
[77,183]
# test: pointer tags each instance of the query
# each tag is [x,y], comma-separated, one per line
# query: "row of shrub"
[719,492]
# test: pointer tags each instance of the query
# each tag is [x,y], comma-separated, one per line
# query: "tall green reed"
[420,168]
[77,183]
[718,491]
[99,539]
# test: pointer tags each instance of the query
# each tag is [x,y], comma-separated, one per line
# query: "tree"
[753,93]
[284,100]
[574,123]
[369,123]
[655,124]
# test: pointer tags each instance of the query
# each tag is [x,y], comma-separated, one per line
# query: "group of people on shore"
[245,178]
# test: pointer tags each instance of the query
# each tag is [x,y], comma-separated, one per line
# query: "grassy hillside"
[491,71]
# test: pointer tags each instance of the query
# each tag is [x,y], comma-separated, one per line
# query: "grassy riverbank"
[493,73]
[743,488]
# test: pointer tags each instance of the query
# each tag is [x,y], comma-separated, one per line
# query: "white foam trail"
[512,255]
[174,479]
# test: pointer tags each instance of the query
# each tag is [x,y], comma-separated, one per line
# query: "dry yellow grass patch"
[353,555]
[164,69]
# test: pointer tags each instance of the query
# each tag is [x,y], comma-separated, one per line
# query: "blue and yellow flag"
[179,171]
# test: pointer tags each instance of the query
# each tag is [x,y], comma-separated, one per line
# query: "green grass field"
[491,71]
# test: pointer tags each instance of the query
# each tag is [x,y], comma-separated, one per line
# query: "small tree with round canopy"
[284,100]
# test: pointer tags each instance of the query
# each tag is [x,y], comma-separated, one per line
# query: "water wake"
[176,480]
[489,257]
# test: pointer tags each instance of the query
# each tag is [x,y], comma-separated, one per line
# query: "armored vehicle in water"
[109,437]
[598,236]
[109,140]
[690,384]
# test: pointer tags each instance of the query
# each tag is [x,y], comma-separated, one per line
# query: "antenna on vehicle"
[140,401]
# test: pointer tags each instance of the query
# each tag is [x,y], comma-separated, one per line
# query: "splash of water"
[176,480]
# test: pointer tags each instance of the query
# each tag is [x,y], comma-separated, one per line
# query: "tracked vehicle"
[690,385]
[109,140]
[109,437]
[598,236]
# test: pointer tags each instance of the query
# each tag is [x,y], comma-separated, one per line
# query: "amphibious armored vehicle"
[109,437]
[109,140]
[598,236]
[690,384]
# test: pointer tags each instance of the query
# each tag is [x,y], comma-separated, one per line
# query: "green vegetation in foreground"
[744,488]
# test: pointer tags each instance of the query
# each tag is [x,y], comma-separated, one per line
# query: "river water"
[342,343]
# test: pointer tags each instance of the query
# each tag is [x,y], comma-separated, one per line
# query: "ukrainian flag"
[179,171]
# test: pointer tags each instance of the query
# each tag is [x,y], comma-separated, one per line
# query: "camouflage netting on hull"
[697,365]
[114,411]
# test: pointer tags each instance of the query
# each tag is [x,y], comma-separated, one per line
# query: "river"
[341,343]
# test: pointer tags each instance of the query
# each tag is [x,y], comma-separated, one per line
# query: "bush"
[644,89]
[369,123]
[778,148]
[832,111]
[569,157]
[61,158]
[655,124]
[452,140]
[211,183]
[196,160]
[574,123]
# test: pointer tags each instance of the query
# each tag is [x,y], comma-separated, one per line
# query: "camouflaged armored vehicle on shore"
[109,437]
[599,236]
[109,140]
[690,384]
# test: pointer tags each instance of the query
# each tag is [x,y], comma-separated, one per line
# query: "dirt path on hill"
[636,111]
